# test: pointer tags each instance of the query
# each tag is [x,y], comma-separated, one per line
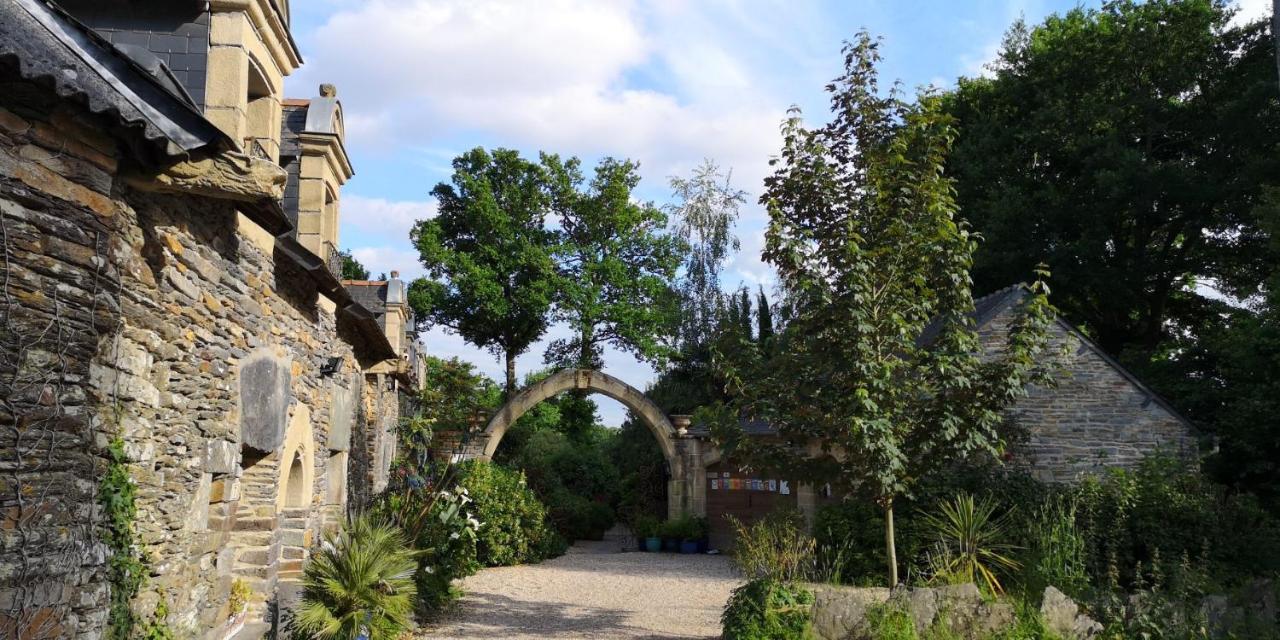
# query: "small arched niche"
[297,462]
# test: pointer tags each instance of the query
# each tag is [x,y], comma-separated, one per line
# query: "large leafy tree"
[1135,148]
[868,247]
[1126,147]
[489,255]
[616,264]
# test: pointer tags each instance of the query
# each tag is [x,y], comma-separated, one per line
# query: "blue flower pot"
[689,546]
[653,544]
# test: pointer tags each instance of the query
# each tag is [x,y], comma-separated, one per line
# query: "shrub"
[1056,551]
[970,543]
[514,523]
[575,480]
[645,526]
[850,542]
[358,584]
[437,523]
[775,547]
[764,609]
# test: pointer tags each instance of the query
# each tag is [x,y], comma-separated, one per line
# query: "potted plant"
[690,534]
[645,529]
[670,533]
[702,532]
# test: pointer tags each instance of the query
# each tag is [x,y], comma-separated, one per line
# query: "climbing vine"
[117,495]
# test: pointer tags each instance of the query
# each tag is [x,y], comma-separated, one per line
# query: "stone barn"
[172,324]
[1097,415]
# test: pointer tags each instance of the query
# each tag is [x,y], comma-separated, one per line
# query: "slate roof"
[43,44]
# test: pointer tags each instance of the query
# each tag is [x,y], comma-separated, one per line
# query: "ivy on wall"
[117,496]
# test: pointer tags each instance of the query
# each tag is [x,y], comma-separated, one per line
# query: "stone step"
[252,631]
[257,556]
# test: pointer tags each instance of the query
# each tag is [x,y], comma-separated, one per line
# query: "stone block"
[1063,617]
[221,456]
[264,400]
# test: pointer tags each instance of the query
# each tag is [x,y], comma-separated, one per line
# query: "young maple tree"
[878,376]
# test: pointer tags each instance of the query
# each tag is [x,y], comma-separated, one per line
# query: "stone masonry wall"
[213,461]
[58,296]
[1093,418]
[167,321]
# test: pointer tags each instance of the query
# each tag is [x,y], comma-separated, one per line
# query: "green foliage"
[438,524]
[891,621]
[359,583]
[645,526]
[775,547]
[576,480]
[1140,189]
[1166,508]
[1057,551]
[685,527]
[489,255]
[238,599]
[513,522]
[452,396]
[850,538]
[351,268]
[970,543]
[870,253]
[117,495]
[765,609]
[615,262]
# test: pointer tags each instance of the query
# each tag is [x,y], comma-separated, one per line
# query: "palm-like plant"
[359,585]
[971,542]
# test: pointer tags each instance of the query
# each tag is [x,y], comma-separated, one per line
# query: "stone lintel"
[226,176]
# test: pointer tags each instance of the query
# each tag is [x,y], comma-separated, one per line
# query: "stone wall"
[172,322]
[1094,417]
[58,299]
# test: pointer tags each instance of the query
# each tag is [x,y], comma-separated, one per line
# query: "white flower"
[453,536]
[431,569]
[465,499]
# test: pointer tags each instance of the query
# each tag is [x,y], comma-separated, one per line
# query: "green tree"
[616,265]
[1132,148]
[764,322]
[452,396]
[865,238]
[704,213]
[351,268]
[1127,147]
[489,255]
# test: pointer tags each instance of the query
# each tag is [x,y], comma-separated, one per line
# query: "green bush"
[775,547]
[359,583]
[575,480]
[513,522]
[765,609]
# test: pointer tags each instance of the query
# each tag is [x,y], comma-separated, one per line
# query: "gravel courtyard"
[595,591]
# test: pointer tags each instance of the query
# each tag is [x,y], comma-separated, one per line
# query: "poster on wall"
[773,485]
[715,484]
[784,488]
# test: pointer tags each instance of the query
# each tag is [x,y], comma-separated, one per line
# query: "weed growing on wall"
[117,496]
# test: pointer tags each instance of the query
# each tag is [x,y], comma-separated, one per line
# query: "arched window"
[296,485]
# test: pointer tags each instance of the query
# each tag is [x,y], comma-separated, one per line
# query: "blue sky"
[665,82]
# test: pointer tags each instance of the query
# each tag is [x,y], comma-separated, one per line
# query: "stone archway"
[683,454]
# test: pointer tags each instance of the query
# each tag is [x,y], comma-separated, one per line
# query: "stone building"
[167,283]
[1096,415]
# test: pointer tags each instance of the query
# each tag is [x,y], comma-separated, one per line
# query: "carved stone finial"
[328,91]
[395,275]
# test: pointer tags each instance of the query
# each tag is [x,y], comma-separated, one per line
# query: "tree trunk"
[1275,33]
[511,374]
[890,547]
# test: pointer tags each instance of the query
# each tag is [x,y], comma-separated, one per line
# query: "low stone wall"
[840,613]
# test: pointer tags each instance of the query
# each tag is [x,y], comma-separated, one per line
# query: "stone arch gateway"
[682,452]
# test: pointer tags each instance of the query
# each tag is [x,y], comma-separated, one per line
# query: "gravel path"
[595,591]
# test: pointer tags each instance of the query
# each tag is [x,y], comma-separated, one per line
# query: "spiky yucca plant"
[971,543]
[359,585]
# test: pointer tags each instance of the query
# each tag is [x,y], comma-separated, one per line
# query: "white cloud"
[552,75]
[1250,10]
[382,218]
[380,260]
